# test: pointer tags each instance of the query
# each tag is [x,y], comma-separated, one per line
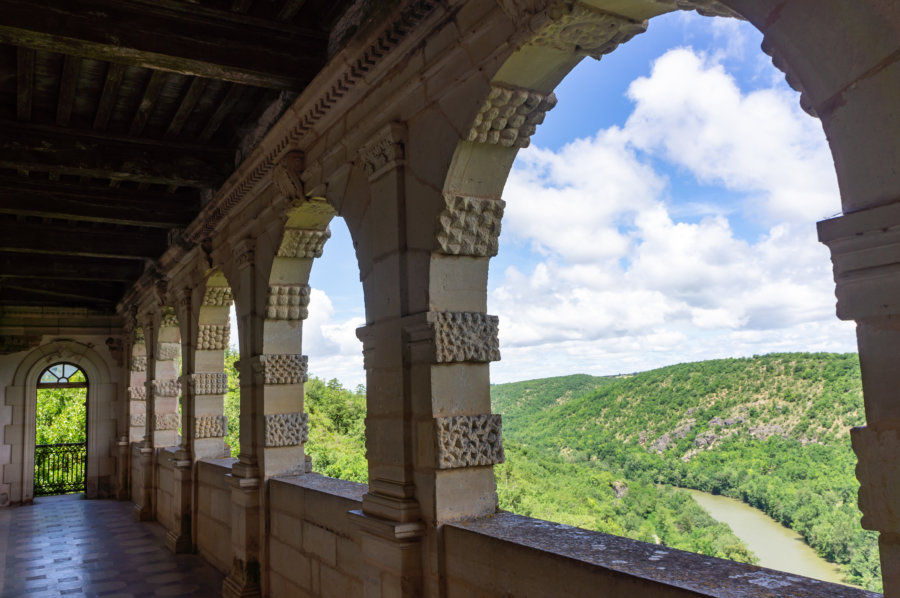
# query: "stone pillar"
[166,385]
[144,504]
[867,274]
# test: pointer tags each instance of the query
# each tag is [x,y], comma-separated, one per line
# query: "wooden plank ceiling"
[116,115]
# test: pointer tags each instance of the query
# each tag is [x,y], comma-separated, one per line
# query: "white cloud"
[332,347]
[623,284]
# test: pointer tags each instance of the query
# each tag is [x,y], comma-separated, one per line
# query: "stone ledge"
[320,483]
[647,563]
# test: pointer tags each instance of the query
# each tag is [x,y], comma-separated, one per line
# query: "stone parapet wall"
[165,488]
[314,547]
[214,512]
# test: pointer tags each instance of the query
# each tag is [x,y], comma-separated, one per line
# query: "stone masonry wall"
[314,548]
[214,512]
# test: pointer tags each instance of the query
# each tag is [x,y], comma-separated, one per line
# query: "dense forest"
[607,453]
[771,431]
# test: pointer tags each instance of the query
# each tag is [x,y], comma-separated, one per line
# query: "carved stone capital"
[212,337]
[581,29]
[707,8]
[139,336]
[465,336]
[302,242]
[470,225]
[168,351]
[789,75]
[288,302]
[169,318]
[469,440]
[139,363]
[281,368]
[286,429]
[210,426]
[206,383]
[384,151]
[510,116]
[137,393]
[166,421]
[878,472]
[217,297]
[166,388]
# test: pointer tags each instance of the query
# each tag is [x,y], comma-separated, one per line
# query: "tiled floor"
[68,546]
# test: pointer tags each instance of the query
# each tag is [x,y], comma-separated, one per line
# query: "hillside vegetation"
[771,431]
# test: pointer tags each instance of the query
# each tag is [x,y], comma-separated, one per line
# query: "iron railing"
[59,468]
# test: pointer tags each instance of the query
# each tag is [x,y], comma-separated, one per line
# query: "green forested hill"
[770,430]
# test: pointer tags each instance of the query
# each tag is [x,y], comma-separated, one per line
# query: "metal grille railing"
[59,468]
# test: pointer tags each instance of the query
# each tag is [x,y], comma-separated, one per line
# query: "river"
[777,547]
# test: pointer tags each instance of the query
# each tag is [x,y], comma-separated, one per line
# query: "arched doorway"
[60,446]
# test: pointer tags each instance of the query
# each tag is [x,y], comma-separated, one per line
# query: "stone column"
[867,274]
[166,385]
[144,503]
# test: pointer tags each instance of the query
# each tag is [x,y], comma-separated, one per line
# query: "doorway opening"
[60,444]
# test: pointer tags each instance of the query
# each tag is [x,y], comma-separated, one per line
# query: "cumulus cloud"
[630,277]
[332,346]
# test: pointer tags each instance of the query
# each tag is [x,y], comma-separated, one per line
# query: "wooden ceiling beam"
[39,148]
[151,94]
[68,84]
[93,292]
[19,265]
[59,239]
[24,82]
[98,206]
[170,36]
[114,75]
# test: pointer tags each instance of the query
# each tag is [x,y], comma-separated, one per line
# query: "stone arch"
[101,432]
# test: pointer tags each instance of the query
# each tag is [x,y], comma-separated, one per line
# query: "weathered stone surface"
[166,421]
[138,420]
[288,302]
[509,116]
[282,368]
[137,393]
[385,150]
[583,29]
[139,363]
[169,319]
[878,472]
[213,337]
[217,297]
[470,225]
[465,336]
[207,383]
[286,429]
[166,388]
[707,8]
[301,242]
[168,351]
[469,440]
[210,426]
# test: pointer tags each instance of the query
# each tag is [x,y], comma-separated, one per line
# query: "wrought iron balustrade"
[59,468]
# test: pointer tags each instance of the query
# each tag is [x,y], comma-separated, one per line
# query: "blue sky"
[665,212]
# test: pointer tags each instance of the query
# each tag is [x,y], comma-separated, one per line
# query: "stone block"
[320,543]
[290,563]
[288,529]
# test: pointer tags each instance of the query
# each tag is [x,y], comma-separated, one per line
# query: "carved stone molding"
[510,116]
[139,336]
[469,440]
[878,472]
[288,302]
[138,420]
[169,319]
[207,383]
[384,151]
[707,8]
[166,421]
[581,29]
[244,253]
[470,225]
[465,336]
[302,242]
[139,363]
[282,368]
[286,175]
[286,429]
[217,297]
[210,426]
[137,393]
[166,388]
[168,351]
[212,337]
